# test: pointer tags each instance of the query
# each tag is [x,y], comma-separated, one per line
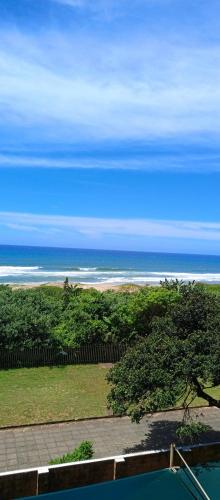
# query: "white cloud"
[8,160]
[85,84]
[21,227]
[80,89]
[189,162]
[100,227]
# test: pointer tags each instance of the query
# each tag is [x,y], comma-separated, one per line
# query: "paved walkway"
[35,446]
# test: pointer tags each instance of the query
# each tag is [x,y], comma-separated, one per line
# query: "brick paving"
[26,447]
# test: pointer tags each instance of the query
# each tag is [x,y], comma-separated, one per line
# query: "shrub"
[83,452]
[191,431]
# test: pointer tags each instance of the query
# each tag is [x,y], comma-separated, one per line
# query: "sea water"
[22,264]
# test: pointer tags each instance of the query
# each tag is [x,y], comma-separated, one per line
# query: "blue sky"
[110,124]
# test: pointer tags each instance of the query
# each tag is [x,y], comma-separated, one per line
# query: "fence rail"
[89,354]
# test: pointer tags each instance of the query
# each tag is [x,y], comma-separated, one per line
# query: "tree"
[83,321]
[67,291]
[93,317]
[177,361]
[27,318]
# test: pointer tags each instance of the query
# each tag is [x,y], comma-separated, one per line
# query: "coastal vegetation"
[177,361]
[83,452]
[50,316]
[170,335]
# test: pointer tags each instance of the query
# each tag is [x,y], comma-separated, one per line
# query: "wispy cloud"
[100,227]
[90,94]
[84,83]
[21,227]
[149,162]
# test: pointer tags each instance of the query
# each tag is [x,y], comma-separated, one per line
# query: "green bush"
[69,316]
[83,452]
[50,316]
[191,431]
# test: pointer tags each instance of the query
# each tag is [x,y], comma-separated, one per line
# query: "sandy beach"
[101,287]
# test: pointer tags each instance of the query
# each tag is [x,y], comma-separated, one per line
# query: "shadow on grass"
[163,432]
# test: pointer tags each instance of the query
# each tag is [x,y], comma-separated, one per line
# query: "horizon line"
[109,250]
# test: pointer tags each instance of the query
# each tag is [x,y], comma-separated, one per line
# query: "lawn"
[32,395]
[214,391]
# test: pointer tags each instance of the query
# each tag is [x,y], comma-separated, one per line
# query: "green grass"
[31,395]
[215,288]
[214,392]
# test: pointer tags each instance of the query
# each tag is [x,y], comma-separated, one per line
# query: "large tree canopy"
[27,318]
[177,360]
[94,317]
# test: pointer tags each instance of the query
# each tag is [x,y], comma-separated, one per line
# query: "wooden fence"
[89,354]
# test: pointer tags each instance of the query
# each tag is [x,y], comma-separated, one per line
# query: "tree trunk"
[201,394]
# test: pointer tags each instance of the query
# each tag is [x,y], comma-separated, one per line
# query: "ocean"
[22,264]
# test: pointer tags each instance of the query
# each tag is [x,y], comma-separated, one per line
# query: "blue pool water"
[162,484]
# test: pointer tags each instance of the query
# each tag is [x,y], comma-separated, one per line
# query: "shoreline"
[101,287]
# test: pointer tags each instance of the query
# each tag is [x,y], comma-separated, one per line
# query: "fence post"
[172,446]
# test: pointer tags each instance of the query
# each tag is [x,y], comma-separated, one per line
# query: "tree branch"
[212,401]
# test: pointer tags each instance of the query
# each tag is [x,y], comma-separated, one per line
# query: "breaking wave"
[98,275]
[17,270]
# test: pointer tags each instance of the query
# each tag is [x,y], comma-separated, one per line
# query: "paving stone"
[37,445]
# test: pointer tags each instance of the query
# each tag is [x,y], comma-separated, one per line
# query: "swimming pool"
[157,485]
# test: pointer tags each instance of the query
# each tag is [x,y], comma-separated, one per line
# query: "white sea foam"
[96,275]
[17,270]
[37,271]
[87,268]
[184,276]
[149,279]
[152,278]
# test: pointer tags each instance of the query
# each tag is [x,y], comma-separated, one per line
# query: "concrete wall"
[77,474]
[199,454]
[33,482]
[18,484]
[131,465]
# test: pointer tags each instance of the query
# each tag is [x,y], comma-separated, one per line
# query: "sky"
[110,124]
